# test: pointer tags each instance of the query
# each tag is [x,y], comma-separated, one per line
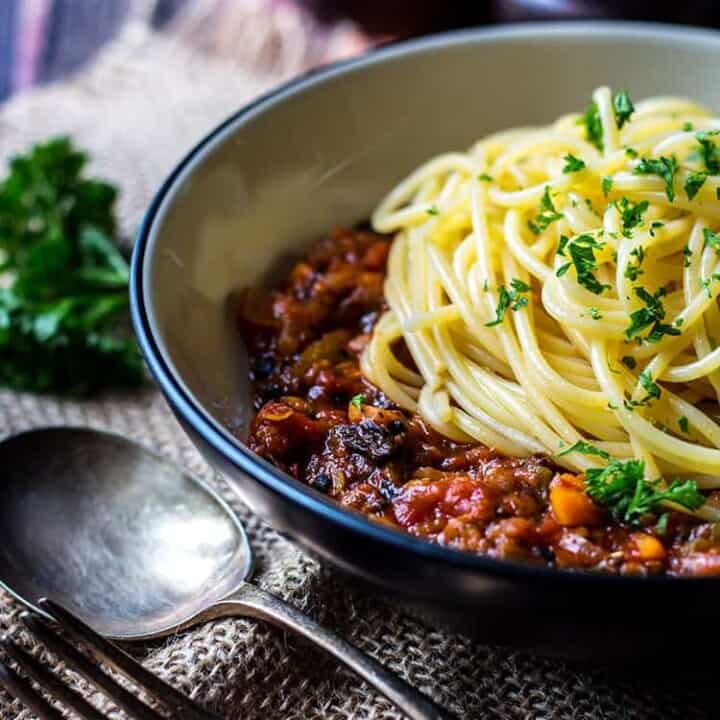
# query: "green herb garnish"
[582,256]
[712,239]
[650,316]
[432,210]
[607,183]
[358,401]
[573,164]
[484,177]
[547,215]
[687,254]
[684,424]
[564,240]
[593,126]
[623,108]
[652,389]
[595,313]
[632,269]
[664,167]
[688,127]
[631,214]
[586,449]
[709,151]
[631,152]
[693,183]
[64,300]
[513,300]
[629,362]
[621,487]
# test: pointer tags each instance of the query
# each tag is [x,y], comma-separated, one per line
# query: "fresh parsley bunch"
[63,282]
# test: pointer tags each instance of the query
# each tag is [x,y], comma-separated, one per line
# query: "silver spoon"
[138,548]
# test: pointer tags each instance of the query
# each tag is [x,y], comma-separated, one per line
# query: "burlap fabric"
[137,109]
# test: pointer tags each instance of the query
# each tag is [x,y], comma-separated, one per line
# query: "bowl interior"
[324,150]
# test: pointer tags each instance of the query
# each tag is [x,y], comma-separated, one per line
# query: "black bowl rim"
[241,457]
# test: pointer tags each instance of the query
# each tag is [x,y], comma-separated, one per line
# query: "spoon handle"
[251,601]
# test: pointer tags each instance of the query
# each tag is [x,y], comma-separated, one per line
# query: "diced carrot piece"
[648,546]
[570,504]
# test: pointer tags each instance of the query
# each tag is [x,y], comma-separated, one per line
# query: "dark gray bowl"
[321,151]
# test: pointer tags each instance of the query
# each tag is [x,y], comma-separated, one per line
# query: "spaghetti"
[556,289]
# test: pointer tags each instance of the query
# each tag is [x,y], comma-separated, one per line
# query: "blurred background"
[44,40]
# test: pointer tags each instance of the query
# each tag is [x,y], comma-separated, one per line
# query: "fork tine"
[21,689]
[91,672]
[124,663]
[49,682]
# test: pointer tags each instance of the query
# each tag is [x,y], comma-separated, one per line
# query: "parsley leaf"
[593,127]
[513,300]
[621,487]
[607,183]
[484,177]
[709,151]
[623,108]
[693,183]
[652,389]
[688,127]
[712,239]
[595,313]
[547,215]
[687,254]
[586,449]
[629,362]
[582,256]
[573,164]
[564,240]
[684,424]
[432,210]
[631,214]
[631,152]
[664,167]
[63,316]
[632,270]
[358,400]
[651,315]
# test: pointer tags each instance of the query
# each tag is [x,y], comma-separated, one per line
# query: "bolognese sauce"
[322,422]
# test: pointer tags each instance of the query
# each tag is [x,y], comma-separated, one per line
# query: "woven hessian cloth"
[137,109]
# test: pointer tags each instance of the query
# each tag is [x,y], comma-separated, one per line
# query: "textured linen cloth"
[137,109]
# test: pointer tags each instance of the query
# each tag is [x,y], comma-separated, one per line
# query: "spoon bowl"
[138,548]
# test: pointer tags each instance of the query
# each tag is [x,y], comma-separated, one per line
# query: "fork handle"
[251,601]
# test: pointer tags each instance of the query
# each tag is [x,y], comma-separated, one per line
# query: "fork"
[98,650]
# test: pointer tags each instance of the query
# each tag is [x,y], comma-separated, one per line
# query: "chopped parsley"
[547,215]
[712,239]
[664,167]
[593,126]
[631,214]
[652,389]
[358,401]
[707,283]
[607,183]
[651,316]
[573,164]
[631,152]
[688,127]
[621,487]
[582,256]
[684,424]
[623,108]
[484,177]
[687,254]
[515,300]
[595,313]
[632,270]
[586,449]
[629,362]
[709,151]
[432,210]
[564,240]
[693,183]
[662,524]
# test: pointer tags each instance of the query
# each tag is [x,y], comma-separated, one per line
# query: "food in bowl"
[518,357]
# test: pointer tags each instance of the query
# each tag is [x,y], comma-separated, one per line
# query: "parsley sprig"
[582,257]
[63,307]
[664,167]
[573,164]
[547,215]
[621,487]
[709,151]
[631,214]
[623,107]
[515,300]
[651,316]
